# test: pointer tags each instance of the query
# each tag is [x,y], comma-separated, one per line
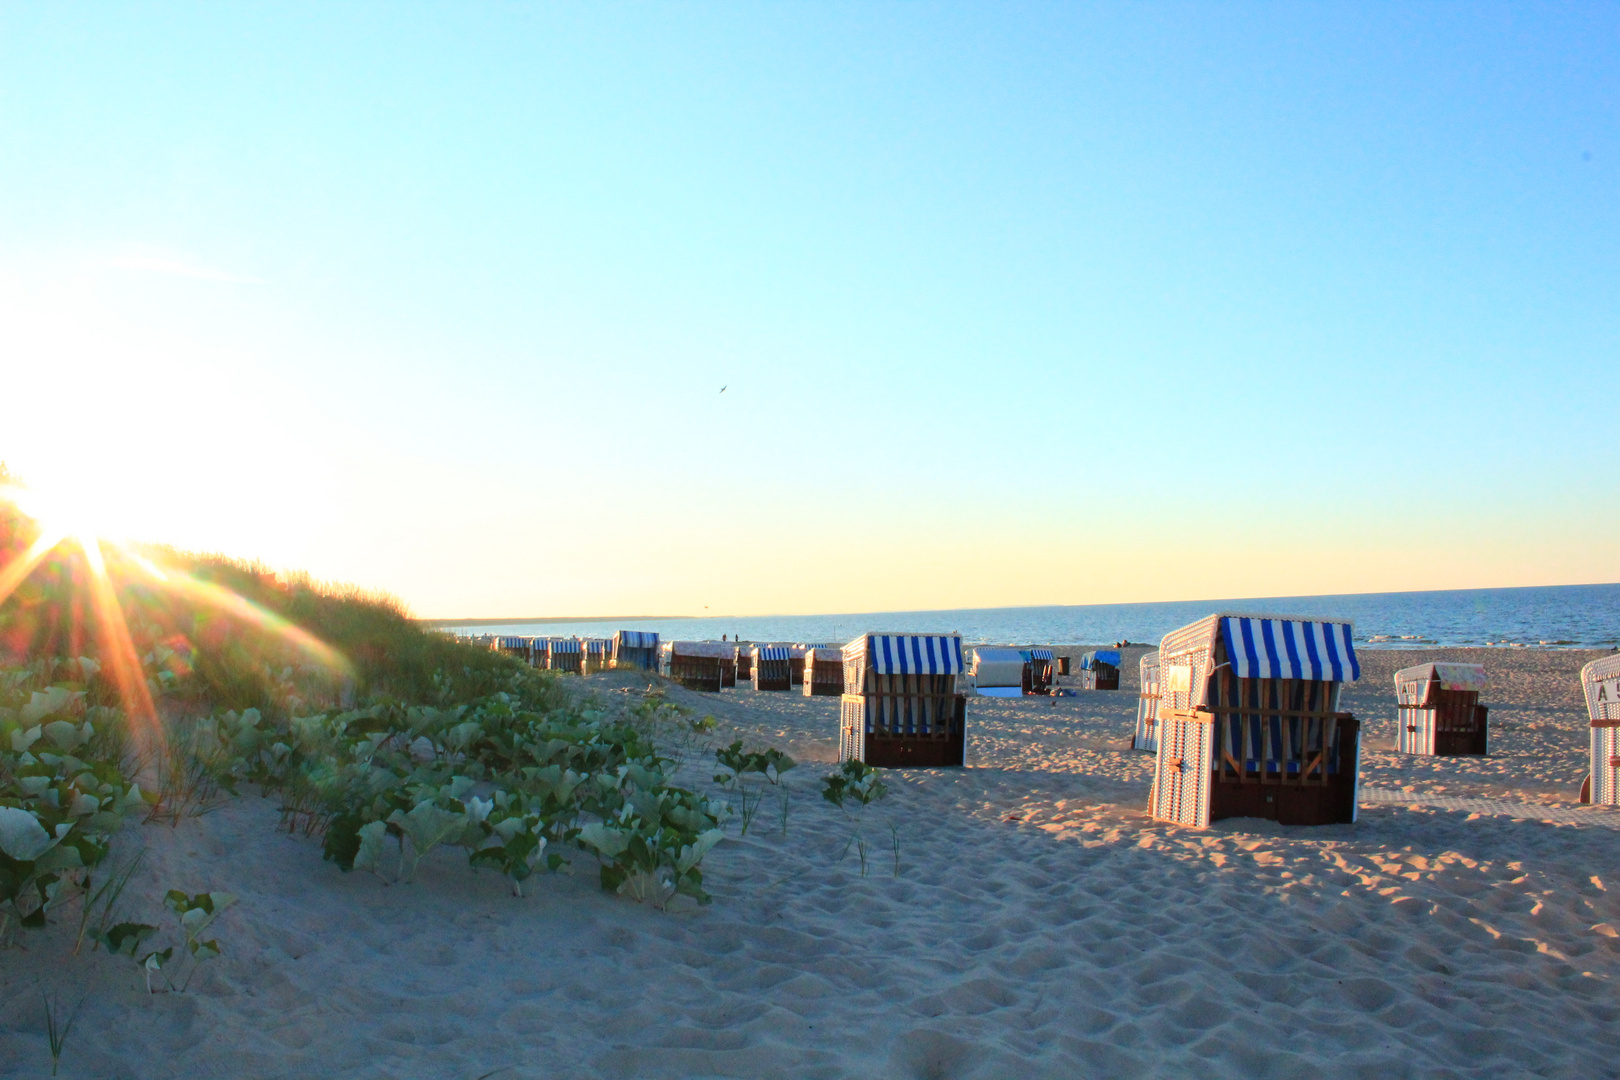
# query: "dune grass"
[379,738]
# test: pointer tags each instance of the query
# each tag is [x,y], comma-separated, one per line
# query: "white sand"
[1039,925]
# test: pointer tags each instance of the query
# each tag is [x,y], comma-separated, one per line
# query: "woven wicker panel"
[851,727]
[1181,774]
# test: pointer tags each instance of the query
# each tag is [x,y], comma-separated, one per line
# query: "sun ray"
[19,569]
[118,648]
[223,599]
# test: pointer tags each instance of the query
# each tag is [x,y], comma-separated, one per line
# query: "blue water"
[1576,616]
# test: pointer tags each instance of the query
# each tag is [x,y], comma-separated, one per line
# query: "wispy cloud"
[162,264]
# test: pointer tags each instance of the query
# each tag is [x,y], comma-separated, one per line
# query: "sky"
[609,309]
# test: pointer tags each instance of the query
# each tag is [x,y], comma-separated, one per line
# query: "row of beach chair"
[1241,711]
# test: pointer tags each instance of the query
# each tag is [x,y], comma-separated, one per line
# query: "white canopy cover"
[997,667]
[1451,676]
[725,650]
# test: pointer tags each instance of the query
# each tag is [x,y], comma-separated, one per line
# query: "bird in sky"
[723,388]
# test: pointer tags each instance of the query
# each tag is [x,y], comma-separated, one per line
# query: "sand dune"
[1019,918]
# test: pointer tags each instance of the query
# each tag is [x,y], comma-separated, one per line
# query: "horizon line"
[1007,607]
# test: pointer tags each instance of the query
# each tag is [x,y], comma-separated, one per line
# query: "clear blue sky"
[1013,304]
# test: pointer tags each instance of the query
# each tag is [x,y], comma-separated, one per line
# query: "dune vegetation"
[151,684]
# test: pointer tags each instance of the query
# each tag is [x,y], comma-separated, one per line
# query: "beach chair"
[564,654]
[635,649]
[1438,711]
[1037,674]
[772,668]
[596,655]
[796,655]
[1249,724]
[997,672]
[1601,682]
[900,705]
[1099,670]
[1147,706]
[745,663]
[823,671]
[520,647]
[696,664]
[728,664]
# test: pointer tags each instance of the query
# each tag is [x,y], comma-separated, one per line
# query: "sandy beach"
[1020,917]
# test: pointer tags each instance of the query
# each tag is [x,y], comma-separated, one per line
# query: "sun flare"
[78,538]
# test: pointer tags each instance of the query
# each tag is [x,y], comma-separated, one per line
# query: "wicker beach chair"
[696,664]
[635,649]
[1249,723]
[823,671]
[1438,711]
[1099,670]
[1147,706]
[1601,682]
[772,668]
[997,672]
[520,647]
[1037,676]
[565,654]
[596,655]
[900,705]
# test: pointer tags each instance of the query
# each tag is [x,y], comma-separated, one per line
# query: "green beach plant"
[97,907]
[196,914]
[58,1027]
[405,744]
[749,773]
[854,787]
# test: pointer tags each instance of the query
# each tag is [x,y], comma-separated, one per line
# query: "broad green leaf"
[610,842]
[43,703]
[125,938]
[693,853]
[65,735]
[428,826]
[22,837]
[371,845]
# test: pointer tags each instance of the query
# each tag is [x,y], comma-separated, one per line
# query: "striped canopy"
[636,639]
[909,654]
[770,652]
[1037,654]
[1090,660]
[596,645]
[512,642]
[564,645]
[1272,648]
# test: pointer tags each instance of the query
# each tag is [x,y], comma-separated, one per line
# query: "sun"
[84,519]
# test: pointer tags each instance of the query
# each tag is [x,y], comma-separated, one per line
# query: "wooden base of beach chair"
[700,673]
[916,753]
[1330,803]
[824,678]
[944,749]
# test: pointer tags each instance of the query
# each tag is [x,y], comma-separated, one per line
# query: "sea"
[1552,616]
